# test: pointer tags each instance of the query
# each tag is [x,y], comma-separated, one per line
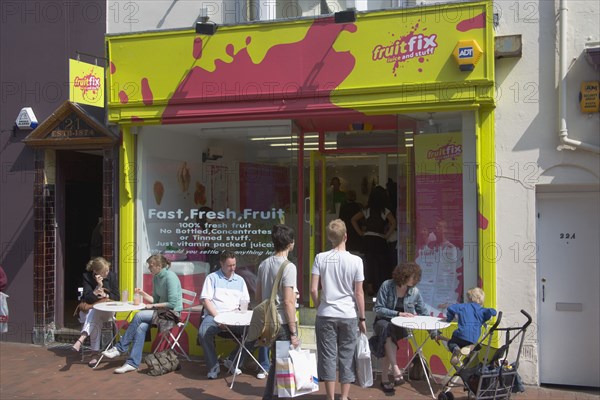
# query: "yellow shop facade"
[225,135]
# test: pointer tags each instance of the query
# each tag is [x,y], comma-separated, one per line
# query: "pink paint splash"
[278,84]
[197,48]
[137,120]
[113,68]
[437,365]
[406,39]
[123,98]
[477,22]
[89,83]
[483,222]
[147,96]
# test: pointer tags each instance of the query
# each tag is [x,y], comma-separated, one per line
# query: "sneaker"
[214,372]
[111,353]
[455,360]
[261,375]
[227,363]
[125,368]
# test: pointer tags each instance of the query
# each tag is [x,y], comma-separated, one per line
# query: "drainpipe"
[563,132]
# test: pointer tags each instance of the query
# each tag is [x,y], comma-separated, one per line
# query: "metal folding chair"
[109,327]
[170,339]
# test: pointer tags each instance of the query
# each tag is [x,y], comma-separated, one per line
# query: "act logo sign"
[467,54]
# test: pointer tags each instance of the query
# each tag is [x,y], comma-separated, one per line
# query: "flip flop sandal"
[387,387]
[75,349]
[92,363]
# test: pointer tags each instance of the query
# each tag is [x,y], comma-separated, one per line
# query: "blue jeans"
[263,358]
[136,334]
[206,336]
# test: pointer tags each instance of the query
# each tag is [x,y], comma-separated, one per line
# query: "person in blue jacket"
[397,297]
[471,316]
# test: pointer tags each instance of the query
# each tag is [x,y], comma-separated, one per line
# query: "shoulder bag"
[264,325]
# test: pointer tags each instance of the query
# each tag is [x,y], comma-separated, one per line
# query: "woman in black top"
[98,283]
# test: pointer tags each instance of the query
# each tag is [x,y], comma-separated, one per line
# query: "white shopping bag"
[285,371]
[364,370]
[305,368]
[3,313]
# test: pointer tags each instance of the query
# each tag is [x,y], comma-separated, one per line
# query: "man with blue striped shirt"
[223,290]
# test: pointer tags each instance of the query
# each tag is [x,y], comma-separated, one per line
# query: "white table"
[116,306]
[420,323]
[238,318]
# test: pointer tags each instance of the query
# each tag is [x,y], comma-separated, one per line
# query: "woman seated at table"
[398,296]
[99,284]
[166,294]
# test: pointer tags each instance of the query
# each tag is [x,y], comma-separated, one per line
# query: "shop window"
[205,189]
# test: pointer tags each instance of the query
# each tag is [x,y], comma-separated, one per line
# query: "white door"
[568,233]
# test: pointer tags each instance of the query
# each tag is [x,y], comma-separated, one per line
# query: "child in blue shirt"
[471,317]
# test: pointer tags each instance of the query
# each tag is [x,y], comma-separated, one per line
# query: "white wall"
[527,140]
[126,16]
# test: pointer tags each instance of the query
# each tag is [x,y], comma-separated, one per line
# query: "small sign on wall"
[589,97]
[86,83]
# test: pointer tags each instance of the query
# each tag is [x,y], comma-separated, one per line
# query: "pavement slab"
[55,372]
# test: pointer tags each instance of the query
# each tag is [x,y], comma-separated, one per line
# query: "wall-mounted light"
[344,17]
[204,27]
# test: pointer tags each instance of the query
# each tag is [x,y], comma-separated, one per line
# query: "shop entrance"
[340,184]
[79,209]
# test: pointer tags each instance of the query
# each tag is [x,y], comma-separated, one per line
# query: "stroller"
[494,377]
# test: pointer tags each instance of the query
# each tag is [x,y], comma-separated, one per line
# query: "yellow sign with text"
[86,83]
[589,97]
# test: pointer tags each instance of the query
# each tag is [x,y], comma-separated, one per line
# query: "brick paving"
[54,372]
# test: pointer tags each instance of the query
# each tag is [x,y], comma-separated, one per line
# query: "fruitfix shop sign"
[86,83]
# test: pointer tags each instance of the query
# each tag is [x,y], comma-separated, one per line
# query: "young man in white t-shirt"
[341,307]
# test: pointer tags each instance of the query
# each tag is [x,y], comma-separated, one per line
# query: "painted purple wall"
[37,38]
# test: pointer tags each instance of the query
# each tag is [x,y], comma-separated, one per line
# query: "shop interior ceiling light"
[430,120]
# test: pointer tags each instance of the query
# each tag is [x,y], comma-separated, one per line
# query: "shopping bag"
[3,313]
[305,368]
[364,370]
[285,372]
